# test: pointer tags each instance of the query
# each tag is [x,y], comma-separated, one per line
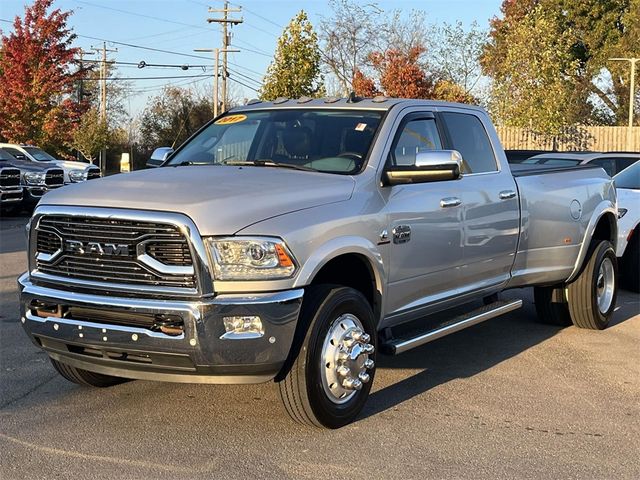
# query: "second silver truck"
[294,241]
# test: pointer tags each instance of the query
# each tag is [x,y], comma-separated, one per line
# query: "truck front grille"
[114,251]
[54,177]
[9,177]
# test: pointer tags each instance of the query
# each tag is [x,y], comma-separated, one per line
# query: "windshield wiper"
[270,163]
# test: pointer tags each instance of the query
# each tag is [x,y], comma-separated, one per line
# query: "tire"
[549,311]
[592,295]
[307,391]
[630,265]
[85,377]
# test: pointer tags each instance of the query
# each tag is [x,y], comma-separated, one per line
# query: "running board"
[400,345]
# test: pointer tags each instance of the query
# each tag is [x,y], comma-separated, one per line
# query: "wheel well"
[606,229]
[355,271]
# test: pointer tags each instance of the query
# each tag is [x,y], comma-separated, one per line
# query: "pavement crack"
[28,392]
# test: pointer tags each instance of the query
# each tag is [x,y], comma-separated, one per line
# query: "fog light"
[242,327]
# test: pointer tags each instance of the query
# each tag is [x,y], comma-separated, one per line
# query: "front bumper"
[198,355]
[33,193]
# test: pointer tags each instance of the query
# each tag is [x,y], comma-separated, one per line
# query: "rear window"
[469,137]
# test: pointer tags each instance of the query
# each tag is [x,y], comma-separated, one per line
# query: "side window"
[469,137]
[607,164]
[416,136]
[623,162]
[15,153]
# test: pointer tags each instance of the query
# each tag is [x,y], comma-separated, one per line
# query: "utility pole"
[632,86]
[216,74]
[103,95]
[226,42]
[80,91]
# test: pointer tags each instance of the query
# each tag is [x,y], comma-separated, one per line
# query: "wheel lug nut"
[343,371]
[368,364]
[352,384]
[364,377]
[367,348]
[343,355]
[348,342]
[365,338]
[357,334]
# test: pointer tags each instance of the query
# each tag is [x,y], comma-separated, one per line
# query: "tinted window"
[629,177]
[15,153]
[623,162]
[5,156]
[469,137]
[416,136]
[607,164]
[563,162]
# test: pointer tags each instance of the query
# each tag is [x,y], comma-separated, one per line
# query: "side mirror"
[430,166]
[158,156]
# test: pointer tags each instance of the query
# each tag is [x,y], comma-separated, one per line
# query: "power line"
[150,78]
[244,84]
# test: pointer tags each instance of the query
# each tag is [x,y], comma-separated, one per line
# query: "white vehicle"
[74,172]
[611,162]
[628,245]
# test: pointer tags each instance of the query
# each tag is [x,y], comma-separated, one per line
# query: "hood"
[27,166]
[71,165]
[220,199]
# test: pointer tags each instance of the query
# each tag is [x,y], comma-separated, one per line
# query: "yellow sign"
[229,119]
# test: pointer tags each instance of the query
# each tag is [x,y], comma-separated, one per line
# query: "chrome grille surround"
[54,229]
[93,173]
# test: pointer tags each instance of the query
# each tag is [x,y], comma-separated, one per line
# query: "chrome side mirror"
[158,156]
[430,166]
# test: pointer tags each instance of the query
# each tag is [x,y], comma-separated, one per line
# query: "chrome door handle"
[507,194]
[450,202]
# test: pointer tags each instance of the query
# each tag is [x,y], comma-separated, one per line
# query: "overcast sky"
[180,26]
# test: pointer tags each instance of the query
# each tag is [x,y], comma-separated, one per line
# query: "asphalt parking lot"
[509,398]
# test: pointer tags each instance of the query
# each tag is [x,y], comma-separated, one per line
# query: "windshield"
[629,177]
[39,155]
[334,141]
[553,161]
[5,156]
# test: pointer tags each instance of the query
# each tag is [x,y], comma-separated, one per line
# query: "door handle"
[507,194]
[450,202]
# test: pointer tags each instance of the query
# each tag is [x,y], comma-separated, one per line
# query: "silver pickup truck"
[293,241]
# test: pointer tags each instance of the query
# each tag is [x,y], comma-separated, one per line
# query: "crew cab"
[293,241]
[74,172]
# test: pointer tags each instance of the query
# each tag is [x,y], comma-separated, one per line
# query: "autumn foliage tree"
[37,78]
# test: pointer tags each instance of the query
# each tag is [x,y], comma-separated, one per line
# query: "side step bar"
[400,345]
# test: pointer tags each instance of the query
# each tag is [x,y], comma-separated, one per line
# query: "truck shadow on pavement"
[472,351]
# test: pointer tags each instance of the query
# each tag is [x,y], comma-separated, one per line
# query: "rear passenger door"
[489,203]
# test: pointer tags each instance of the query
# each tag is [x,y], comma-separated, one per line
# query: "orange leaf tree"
[38,78]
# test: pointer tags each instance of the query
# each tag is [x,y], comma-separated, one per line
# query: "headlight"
[240,258]
[78,175]
[35,178]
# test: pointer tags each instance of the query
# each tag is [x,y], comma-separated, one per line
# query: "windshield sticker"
[229,119]
[360,127]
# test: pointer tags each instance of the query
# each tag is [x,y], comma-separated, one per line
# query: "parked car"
[35,179]
[628,247]
[612,162]
[294,240]
[11,191]
[74,172]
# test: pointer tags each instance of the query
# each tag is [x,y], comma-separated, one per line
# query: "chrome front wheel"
[605,285]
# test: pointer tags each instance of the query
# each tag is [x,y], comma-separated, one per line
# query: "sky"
[180,26]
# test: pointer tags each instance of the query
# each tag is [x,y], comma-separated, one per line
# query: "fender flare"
[600,211]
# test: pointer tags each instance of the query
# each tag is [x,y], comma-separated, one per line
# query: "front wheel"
[592,295]
[329,382]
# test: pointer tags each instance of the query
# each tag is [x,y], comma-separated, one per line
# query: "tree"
[400,74]
[36,98]
[455,53]
[91,135]
[171,117]
[550,58]
[295,70]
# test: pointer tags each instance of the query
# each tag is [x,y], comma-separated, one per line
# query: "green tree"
[549,61]
[295,70]
[91,135]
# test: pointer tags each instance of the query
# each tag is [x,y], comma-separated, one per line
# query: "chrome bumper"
[13,194]
[198,355]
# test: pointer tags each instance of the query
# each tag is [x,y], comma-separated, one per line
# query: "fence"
[577,138]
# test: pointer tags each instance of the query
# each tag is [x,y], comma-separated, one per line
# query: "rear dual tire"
[589,300]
